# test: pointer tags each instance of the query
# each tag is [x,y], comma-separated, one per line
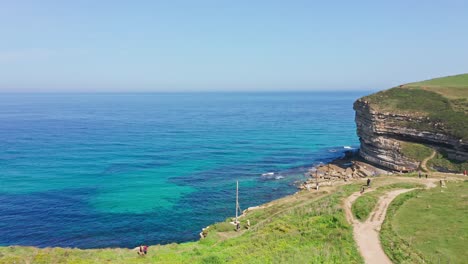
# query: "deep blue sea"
[108,170]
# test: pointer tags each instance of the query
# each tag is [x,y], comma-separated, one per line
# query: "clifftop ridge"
[433,113]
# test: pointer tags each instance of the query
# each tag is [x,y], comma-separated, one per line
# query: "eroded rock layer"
[381,134]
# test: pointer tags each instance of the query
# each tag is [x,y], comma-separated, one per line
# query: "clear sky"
[218,45]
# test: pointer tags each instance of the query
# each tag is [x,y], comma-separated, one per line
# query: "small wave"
[348,147]
[332,150]
[268,174]
[279,177]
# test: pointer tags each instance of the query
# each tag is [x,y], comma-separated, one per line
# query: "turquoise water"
[101,170]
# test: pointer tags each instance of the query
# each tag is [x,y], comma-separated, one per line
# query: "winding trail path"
[424,162]
[366,234]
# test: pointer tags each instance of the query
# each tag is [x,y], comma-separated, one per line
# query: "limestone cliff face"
[381,134]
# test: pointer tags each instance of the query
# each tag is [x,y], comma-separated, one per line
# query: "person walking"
[368,183]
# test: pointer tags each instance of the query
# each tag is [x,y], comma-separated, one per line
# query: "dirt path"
[424,162]
[366,234]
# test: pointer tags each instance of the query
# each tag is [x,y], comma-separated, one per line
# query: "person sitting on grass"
[143,250]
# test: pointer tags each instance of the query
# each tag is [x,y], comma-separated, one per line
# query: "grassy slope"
[460,80]
[443,100]
[364,205]
[442,161]
[428,226]
[309,227]
[419,152]
[415,151]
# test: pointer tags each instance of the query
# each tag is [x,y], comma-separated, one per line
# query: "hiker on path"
[362,190]
[368,182]
[248,224]
[426,175]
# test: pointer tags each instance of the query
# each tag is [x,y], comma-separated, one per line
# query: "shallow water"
[102,170]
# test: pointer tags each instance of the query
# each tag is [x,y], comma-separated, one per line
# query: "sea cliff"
[395,126]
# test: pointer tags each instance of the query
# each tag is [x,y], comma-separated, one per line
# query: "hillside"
[397,121]
[302,228]
[308,227]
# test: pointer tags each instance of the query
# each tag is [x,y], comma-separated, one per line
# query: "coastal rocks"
[339,171]
[381,134]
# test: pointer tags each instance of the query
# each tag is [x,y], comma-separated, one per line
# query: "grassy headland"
[428,226]
[443,100]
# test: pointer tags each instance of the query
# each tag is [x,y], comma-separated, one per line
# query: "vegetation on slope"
[415,151]
[428,226]
[443,163]
[443,100]
[363,206]
[309,227]
[454,81]
[366,203]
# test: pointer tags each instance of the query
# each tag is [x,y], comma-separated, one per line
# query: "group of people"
[367,185]
[420,175]
[238,226]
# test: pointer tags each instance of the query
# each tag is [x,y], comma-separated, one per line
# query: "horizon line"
[191,91]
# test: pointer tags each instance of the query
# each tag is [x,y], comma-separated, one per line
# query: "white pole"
[237,198]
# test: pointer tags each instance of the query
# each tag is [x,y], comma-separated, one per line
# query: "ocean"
[119,170]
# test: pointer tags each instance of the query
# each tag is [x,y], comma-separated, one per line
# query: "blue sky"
[175,45]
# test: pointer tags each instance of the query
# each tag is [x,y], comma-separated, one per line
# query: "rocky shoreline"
[350,167]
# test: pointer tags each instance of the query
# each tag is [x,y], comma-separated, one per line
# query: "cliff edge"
[400,127]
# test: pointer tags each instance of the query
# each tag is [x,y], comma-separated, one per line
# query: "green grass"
[440,162]
[444,101]
[428,226]
[366,203]
[460,80]
[405,100]
[415,151]
[309,227]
